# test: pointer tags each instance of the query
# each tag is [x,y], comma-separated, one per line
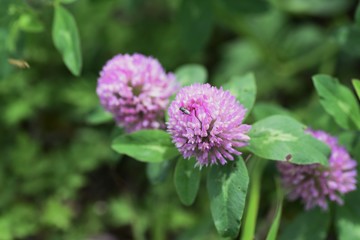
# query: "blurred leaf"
[356,84]
[355,151]
[234,63]
[246,6]
[57,214]
[203,230]
[357,15]
[350,140]
[338,101]
[146,145]
[67,1]
[191,73]
[300,41]
[122,211]
[4,10]
[196,23]
[99,116]
[182,218]
[282,138]
[263,110]
[157,172]
[227,187]
[4,64]
[17,111]
[349,37]
[21,221]
[347,217]
[311,224]
[274,228]
[5,229]
[244,89]
[30,23]
[311,7]
[187,180]
[66,39]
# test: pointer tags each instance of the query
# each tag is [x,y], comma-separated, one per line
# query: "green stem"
[159,213]
[253,199]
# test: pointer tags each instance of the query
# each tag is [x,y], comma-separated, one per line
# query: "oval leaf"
[187,180]
[338,101]
[190,74]
[244,89]
[66,39]
[227,187]
[148,145]
[282,138]
[312,224]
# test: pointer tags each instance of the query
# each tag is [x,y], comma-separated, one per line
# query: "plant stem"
[256,168]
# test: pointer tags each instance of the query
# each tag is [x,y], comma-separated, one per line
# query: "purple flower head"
[136,90]
[206,122]
[315,184]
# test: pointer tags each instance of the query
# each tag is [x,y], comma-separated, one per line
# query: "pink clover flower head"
[136,90]
[206,122]
[315,184]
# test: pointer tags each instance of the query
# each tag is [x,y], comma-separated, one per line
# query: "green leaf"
[356,84]
[312,224]
[244,89]
[227,187]
[357,15]
[30,23]
[187,180]
[282,138]
[122,211]
[338,101]
[348,37]
[146,145]
[196,23]
[66,39]
[191,73]
[273,231]
[57,214]
[67,1]
[311,7]
[347,217]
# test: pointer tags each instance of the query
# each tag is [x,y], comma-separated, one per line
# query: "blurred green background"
[59,178]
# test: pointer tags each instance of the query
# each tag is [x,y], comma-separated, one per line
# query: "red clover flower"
[206,122]
[314,184]
[136,90]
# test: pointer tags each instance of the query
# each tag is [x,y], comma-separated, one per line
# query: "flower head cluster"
[136,90]
[314,184]
[206,122]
